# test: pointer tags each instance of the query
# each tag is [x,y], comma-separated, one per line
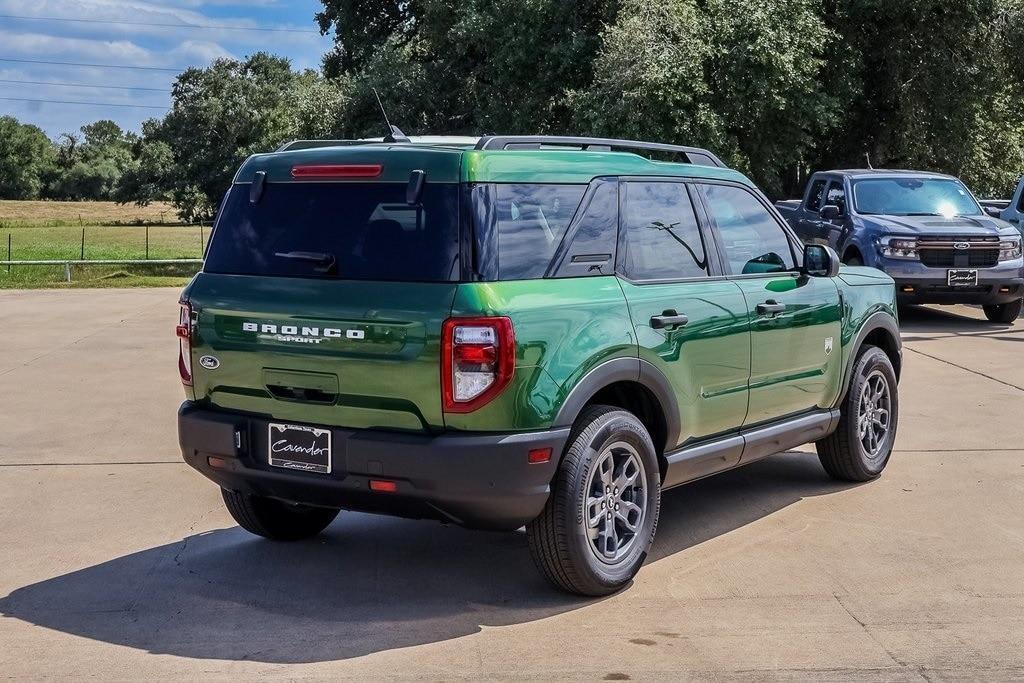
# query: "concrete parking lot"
[117,561]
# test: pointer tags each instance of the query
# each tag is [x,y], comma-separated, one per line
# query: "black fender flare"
[622,370]
[879,320]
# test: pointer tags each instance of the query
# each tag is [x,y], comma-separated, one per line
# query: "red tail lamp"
[383,486]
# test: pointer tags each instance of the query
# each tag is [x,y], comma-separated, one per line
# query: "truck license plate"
[298,447]
[962,278]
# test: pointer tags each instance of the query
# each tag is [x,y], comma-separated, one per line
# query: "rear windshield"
[349,231]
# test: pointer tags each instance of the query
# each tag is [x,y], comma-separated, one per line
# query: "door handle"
[668,318]
[770,307]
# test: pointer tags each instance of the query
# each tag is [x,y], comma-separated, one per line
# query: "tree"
[220,115]
[26,158]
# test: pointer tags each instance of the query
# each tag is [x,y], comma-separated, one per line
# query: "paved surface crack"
[965,368]
[867,631]
[91,464]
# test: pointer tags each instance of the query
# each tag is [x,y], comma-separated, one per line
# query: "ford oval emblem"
[961,245]
[209,362]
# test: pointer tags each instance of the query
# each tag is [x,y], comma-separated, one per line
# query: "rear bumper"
[473,479]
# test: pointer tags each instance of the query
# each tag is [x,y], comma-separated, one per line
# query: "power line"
[218,27]
[85,85]
[100,66]
[91,104]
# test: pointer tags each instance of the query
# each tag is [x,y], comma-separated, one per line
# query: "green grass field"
[54,230]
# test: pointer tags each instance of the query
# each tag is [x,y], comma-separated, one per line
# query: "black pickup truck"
[926,230]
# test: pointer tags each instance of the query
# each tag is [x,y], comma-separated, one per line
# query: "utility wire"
[91,104]
[218,27]
[101,66]
[86,85]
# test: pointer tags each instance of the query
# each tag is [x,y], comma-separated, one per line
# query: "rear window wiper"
[324,261]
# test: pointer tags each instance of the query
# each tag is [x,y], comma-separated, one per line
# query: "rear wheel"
[1003,313]
[859,448]
[598,525]
[854,260]
[276,519]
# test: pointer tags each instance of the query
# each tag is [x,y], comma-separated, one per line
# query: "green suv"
[512,331]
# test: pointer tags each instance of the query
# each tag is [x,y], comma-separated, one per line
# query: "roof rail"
[695,155]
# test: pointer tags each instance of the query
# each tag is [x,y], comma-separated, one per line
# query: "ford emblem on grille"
[961,245]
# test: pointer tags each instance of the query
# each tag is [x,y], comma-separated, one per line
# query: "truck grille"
[939,252]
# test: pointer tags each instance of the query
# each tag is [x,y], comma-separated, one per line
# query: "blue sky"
[98,41]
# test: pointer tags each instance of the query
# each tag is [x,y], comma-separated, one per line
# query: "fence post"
[82,255]
[8,253]
[67,271]
[201,246]
[147,242]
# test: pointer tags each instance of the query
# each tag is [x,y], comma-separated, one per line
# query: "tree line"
[777,89]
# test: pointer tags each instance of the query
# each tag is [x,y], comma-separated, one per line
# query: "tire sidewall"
[587,446]
[872,359]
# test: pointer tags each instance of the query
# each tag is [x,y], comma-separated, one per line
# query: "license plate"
[961,278]
[298,447]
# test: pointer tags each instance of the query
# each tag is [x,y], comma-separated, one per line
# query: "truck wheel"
[275,519]
[599,522]
[859,448]
[854,260]
[1003,313]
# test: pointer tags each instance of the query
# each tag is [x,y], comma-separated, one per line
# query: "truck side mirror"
[992,211]
[820,261]
[830,212]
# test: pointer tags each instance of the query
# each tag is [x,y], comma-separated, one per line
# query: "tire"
[854,261]
[1003,313]
[844,454]
[605,446]
[275,519]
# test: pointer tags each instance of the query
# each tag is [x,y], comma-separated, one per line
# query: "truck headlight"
[1009,250]
[896,247]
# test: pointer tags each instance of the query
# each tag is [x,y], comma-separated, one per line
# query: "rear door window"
[814,197]
[366,229]
[660,238]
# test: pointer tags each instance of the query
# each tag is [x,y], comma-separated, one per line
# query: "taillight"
[478,359]
[184,332]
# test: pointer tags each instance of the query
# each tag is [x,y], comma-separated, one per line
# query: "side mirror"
[992,211]
[830,212]
[820,261]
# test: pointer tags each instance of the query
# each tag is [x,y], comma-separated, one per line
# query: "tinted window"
[592,250]
[660,237]
[814,198]
[522,225]
[367,228]
[752,240]
[836,196]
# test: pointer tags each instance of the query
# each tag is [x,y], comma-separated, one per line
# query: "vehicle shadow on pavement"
[923,323]
[368,584]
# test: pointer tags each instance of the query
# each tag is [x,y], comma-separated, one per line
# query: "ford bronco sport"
[517,331]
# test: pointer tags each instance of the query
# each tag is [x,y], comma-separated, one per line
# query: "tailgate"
[331,352]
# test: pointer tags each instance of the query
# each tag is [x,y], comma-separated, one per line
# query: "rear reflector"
[219,463]
[538,456]
[383,486]
[337,171]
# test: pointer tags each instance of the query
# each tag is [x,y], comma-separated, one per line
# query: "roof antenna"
[395,133]
[867,158]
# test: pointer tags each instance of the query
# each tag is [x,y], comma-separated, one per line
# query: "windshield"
[914,197]
[348,231]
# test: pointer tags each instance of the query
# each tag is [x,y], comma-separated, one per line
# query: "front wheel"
[275,519]
[1003,313]
[598,524]
[859,448]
